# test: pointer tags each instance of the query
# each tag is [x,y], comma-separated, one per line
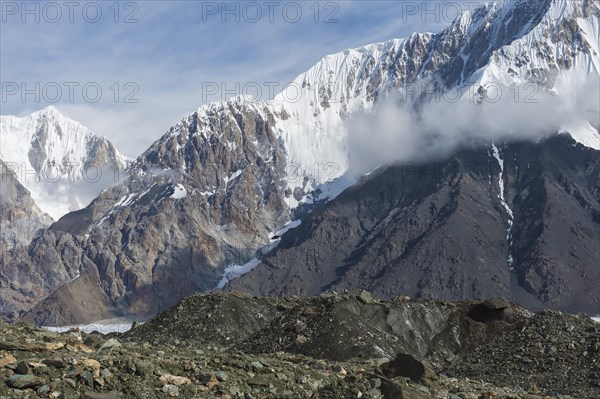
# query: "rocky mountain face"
[30,273]
[519,220]
[217,187]
[206,195]
[20,218]
[52,162]
[331,346]
[62,164]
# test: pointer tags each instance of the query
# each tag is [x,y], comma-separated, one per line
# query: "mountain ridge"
[215,188]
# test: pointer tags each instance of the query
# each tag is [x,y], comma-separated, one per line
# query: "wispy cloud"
[401,129]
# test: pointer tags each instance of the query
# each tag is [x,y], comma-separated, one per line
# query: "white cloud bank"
[400,131]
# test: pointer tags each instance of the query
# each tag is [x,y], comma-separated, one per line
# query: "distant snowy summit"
[62,163]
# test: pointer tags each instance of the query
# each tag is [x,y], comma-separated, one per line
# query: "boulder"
[408,366]
[20,381]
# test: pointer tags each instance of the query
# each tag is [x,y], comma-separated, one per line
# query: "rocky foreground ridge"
[332,346]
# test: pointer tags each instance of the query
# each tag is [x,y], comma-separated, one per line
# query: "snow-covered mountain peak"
[61,162]
[340,77]
[551,43]
[50,111]
[556,48]
[238,101]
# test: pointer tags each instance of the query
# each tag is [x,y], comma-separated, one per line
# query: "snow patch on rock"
[180,192]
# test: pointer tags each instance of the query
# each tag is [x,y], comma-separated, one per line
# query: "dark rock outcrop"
[440,230]
[20,217]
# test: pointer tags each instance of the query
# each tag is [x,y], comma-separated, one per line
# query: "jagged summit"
[50,110]
[57,159]
[552,43]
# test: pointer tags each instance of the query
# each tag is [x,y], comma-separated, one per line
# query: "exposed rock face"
[30,273]
[193,203]
[87,302]
[424,230]
[62,165]
[493,47]
[442,230]
[20,221]
[20,218]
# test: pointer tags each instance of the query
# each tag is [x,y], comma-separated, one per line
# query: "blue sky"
[163,55]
